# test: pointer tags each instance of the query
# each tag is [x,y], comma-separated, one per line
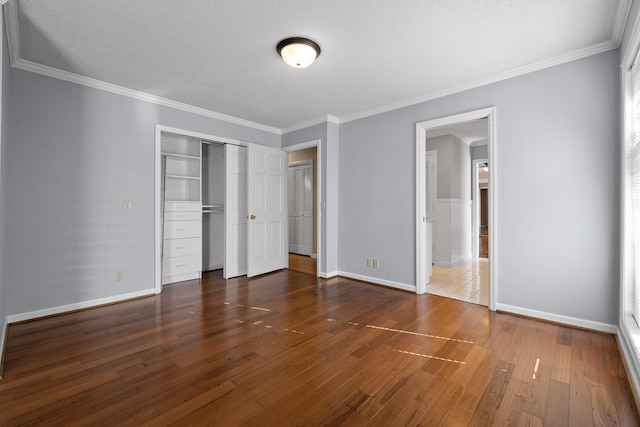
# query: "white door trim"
[421,136]
[158,182]
[297,147]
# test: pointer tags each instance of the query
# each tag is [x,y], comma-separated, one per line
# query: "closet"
[205,187]
[193,193]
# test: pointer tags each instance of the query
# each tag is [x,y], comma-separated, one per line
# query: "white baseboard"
[378,281]
[629,354]
[78,306]
[558,318]
[456,261]
[3,342]
[328,275]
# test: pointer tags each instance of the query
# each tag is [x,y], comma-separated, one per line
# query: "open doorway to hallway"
[460,225]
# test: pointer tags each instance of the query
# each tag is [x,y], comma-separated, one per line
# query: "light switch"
[126,205]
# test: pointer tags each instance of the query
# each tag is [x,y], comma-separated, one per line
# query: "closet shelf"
[182,177]
[180,156]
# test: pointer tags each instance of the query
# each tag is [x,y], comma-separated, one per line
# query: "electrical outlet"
[376,263]
[126,205]
[118,276]
[369,262]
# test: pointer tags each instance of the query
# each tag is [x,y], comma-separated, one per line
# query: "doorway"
[304,178]
[453,205]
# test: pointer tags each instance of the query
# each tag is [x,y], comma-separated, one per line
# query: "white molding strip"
[377,281]
[548,63]
[11,22]
[622,15]
[302,145]
[20,317]
[4,333]
[629,351]
[142,96]
[558,318]
[328,275]
[308,123]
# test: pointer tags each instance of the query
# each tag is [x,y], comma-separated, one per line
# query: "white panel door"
[267,175]
[301,209]
[235,211]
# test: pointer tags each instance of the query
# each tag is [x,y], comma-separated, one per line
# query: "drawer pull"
[181,229]
[181,265]
[180,247]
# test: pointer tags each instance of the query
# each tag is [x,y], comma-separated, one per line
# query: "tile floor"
[468,281]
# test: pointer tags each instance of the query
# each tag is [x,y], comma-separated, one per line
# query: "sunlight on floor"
[468,281]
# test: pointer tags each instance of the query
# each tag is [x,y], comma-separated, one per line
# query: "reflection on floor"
[303,264]
[468,281]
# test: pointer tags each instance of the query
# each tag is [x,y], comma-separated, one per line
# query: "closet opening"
[219,204]
[213,191]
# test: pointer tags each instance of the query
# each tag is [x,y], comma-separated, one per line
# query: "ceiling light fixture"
[299,52]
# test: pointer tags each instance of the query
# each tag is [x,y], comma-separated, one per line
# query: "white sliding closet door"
[235,234]
[267,175]
[301,208]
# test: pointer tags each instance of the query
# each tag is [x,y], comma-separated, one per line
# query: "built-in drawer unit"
[182,247]
[182,243]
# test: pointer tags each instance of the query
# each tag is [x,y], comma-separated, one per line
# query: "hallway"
[468,281]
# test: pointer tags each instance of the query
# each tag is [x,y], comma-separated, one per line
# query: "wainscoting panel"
[452,231]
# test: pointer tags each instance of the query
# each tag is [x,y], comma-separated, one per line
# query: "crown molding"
[13,36]
[620,21]
[142,96]
[541,65]
[312,122]
[11,24]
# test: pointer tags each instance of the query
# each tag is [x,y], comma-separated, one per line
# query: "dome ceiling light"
[298,52]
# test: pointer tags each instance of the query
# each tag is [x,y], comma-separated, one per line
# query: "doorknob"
[251,216]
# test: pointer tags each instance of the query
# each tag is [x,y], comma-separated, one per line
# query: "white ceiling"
[219,55]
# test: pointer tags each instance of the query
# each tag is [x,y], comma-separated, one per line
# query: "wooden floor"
[483,242]
[303,264]
[290,349]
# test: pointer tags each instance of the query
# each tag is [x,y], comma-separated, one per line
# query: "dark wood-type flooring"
[483,242]
[303,264]
[290,349]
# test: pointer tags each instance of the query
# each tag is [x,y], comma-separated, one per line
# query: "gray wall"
[327,133]
[557,233]
[4,104]
[454,166]
[76,154]
[460,170]
[480,152]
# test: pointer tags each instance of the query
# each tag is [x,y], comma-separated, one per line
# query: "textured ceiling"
[220,55]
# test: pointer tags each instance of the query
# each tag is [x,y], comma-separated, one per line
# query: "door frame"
[420,218]
[158,184]
[475,214]
[434,182]
[302,146]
